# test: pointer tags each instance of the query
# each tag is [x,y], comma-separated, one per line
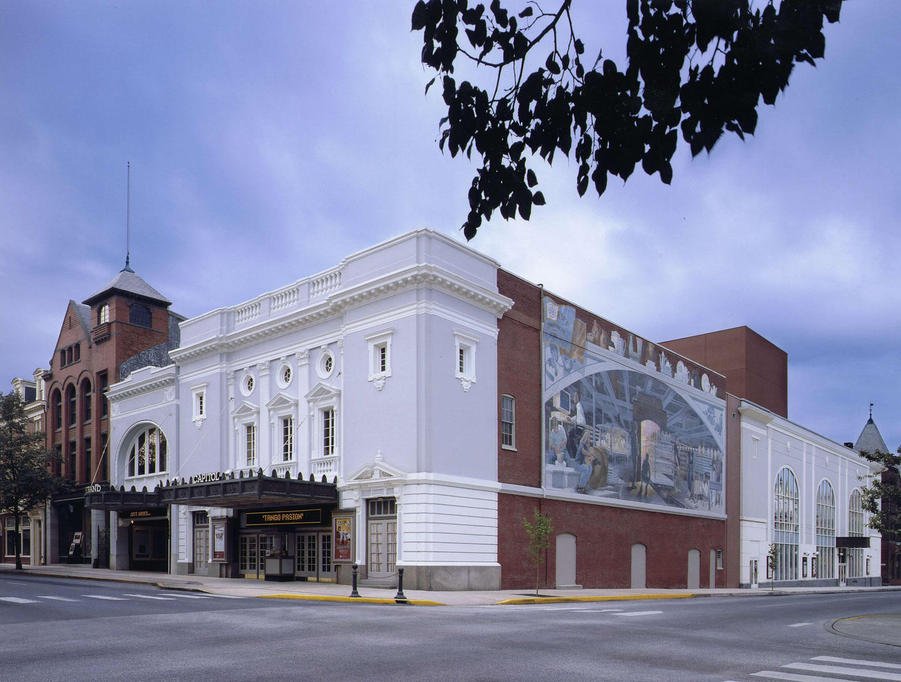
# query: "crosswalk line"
[104,597]
[18,600]
[857,661]
[55,598]
[798,625]
[845,670]
[791,677]
[148,596]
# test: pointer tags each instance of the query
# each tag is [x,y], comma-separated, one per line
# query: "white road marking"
[857,661]
[798,625]
[104,597]
[639,613]
[55,598]
[790,677]
[148,596]
[224,596]
[839,670]
[18,600]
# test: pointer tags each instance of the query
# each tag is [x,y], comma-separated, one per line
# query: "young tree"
[539,532]
[25,478]
[699,67]
[882,498]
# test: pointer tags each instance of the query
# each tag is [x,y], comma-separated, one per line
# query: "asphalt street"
[58,629]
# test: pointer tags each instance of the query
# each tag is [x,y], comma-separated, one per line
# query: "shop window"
[508,422]
[24,536]
[148,453]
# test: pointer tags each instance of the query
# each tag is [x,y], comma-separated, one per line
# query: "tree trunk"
[18,544]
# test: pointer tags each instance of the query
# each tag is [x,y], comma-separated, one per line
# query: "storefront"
[258,527]
[132,526]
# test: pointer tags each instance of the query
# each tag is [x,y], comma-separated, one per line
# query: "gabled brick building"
[125,324]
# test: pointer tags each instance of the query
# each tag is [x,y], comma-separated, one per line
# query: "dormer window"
[103,314]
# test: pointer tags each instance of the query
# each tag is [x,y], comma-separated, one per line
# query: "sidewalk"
[313,591]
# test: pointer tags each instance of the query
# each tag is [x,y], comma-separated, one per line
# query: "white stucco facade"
[379,374]
[787,474]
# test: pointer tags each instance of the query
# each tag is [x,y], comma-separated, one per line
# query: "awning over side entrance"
[113,499]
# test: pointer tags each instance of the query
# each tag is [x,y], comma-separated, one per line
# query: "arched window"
[57,402]
[855,529]
[825,530]
[86,397]
[785,526]
[147,454]
[71,405]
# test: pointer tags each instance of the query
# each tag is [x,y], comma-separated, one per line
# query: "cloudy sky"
[268,140]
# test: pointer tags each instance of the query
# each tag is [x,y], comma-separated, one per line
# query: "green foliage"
[25,479]
[699,67]
[882,498]
[539,533]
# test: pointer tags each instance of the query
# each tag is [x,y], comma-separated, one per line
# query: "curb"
[353,600]
[567,600]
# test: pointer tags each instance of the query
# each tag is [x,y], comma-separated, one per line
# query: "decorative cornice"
[413,277]
[121,391]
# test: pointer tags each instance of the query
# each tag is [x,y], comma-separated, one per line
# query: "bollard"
[353,583]
[400,598]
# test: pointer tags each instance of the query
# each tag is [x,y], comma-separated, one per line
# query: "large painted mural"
[628,420]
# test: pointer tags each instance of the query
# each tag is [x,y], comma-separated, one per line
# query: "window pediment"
[376,471]
[281,402]
[321,393]
[246,410]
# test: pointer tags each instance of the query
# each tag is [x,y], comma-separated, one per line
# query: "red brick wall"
[519,375]
[604,534]
[125,341]
[604,539]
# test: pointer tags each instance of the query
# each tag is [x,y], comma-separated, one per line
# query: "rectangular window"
[250,444]
[465,360]
[87,460]
[379,358]
[508,422]
[103,474]
[199,403]
[719,560]
[328,431]
[287,439]
[102,385]
[73,451]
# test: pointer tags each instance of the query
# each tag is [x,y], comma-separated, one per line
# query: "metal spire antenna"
[871,411]
[128,219]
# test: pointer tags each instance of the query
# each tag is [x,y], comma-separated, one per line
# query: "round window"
[326,364]
[284,375]
[247,384]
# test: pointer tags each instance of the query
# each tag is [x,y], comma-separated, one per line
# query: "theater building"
[408,408]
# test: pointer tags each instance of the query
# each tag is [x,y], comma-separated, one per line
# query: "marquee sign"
[284,517]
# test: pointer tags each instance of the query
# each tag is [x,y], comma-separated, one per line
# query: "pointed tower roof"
[870,440]
[127,282]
